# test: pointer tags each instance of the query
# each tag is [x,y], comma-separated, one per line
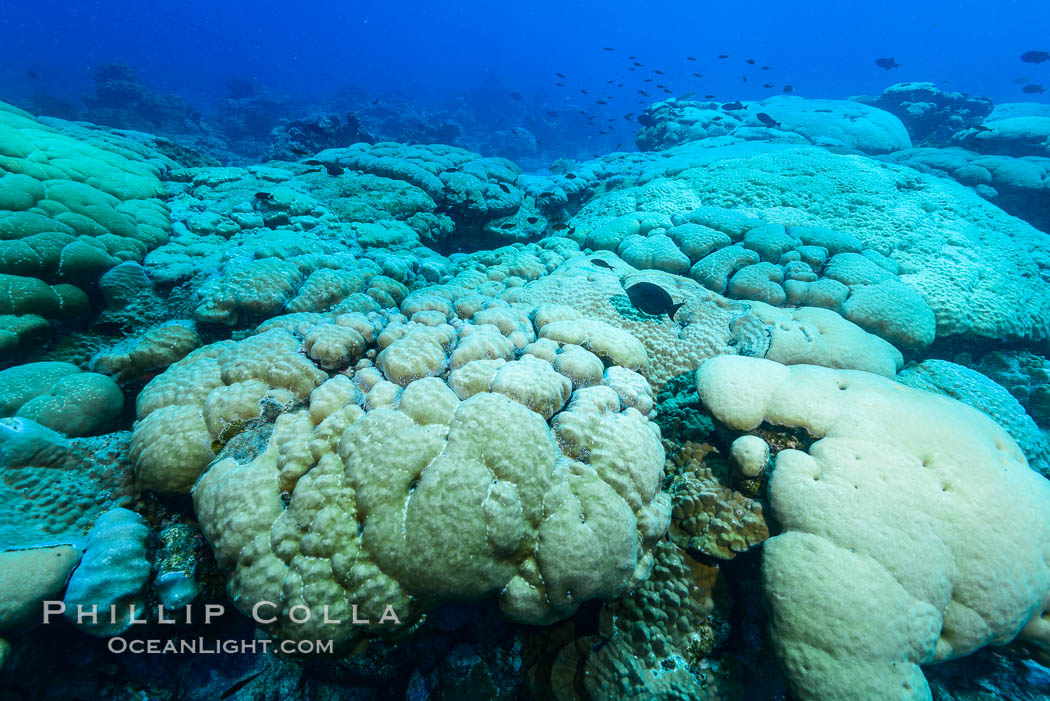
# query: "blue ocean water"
[433,52]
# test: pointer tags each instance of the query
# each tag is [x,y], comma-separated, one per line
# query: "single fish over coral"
[652,299]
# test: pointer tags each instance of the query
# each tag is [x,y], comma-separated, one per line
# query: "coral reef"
[1013,129]
[70,210]
[980,271]
[931,115]
[760,411]
[60,396]
[120,99]
[1020,186]
[838,124]
[882,508]
[572,476]
[304,137]
[112,574]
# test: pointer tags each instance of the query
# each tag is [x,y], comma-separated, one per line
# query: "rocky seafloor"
[760,410]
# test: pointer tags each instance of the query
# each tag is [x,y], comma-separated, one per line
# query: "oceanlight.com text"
[201,646]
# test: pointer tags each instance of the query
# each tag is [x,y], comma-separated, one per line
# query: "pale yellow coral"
[188,412]
[333,345]
[894,522]
[578,364]
[483,480]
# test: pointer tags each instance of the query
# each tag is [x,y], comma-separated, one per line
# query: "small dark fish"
[766,85]
[608,82]
[789,88]
[312,162]
[767,68]
[560,85]
[552,113]
[648,80]
[32,74]
[652,299]
[629,115]
[560,76]
[333,169]
[1032,89]
[1035,56]
[264,196]
[743,78]
[584,91]
[643,93]
[375,102]
[658,72]
[603,133]
[299,151]
[733,105]
[312,170]
[767,120]
[601,263]
[697,75]
[602,102]
[517,96]
[637,64]
[617,147]
[608,48]
[661,86]
[689,58]
[238,686]
[751,61]
[668,91]
[619,85]
[981,127]
[708,96]
[723,55]
[886,63]
[631,58]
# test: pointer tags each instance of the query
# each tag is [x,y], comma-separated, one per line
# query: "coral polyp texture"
[877,570]
[761,410]
[69,210]
[893,261]
[459,465]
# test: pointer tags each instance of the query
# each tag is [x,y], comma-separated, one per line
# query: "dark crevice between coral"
[950,347]
[748,651]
